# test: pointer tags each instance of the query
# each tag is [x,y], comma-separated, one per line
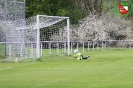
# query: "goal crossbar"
[54,16]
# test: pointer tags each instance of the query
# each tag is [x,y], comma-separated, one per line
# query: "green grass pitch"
[104,69]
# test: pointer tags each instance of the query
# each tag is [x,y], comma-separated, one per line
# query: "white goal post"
[44,21]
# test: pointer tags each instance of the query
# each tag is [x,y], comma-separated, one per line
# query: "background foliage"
[54,8]
[75,9]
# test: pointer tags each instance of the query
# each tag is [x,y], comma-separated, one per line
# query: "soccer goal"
[53,35]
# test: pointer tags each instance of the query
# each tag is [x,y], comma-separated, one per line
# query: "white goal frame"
[38,49]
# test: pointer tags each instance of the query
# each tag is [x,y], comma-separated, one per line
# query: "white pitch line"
[6,68]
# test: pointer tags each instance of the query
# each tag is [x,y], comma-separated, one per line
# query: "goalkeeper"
[79,56]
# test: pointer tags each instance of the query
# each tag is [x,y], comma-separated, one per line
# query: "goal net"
[53,35]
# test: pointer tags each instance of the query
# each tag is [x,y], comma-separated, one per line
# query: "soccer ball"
[75,51]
